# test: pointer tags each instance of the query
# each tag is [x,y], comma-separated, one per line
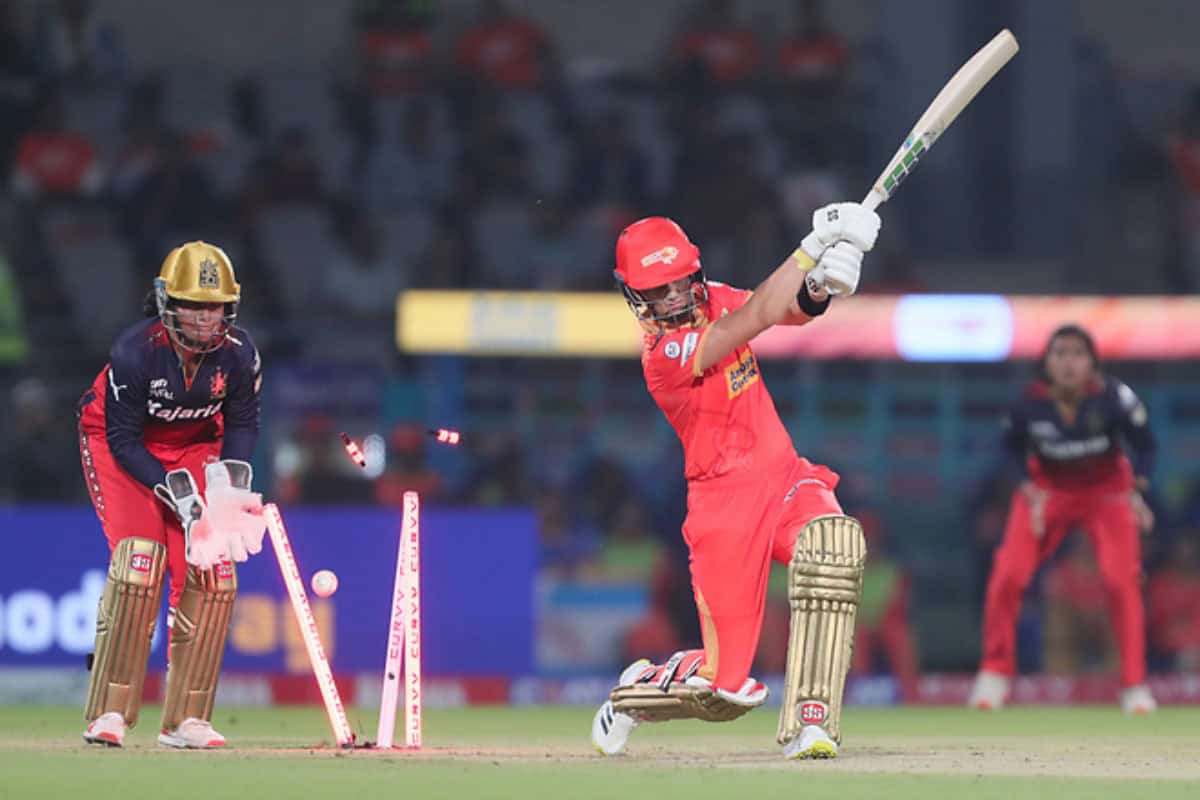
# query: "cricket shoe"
[107,729]
[989,691]
[1138,700]
[813,742]
[611,728]
[192,734]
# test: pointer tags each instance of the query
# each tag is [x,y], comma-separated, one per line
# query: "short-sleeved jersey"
[1086,452]
[725,417]
[141,398]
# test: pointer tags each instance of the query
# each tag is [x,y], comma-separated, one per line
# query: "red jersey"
[724,417]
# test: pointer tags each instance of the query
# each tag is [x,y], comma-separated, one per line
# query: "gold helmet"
[197,272]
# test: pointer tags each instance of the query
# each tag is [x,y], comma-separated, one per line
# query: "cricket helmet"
[197,272]
[651,253]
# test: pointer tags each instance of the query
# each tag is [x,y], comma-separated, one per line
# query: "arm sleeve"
[124,418]
[1133,422]
[242,407]
[1016,442]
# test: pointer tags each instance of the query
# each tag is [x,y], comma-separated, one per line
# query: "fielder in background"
[175,412]
[751,499]
[1065,434]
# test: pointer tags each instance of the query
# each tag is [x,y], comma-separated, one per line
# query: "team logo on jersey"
[675,349]
[217,386]
[664,255]
[210,277]
[741,374]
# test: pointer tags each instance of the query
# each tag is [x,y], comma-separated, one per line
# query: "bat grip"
[873,200]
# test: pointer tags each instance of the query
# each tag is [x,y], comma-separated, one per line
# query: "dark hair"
[1063,331]
[149,305]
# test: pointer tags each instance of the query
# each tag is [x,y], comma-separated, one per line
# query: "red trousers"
[1111,525]
[128,508]
[733,531]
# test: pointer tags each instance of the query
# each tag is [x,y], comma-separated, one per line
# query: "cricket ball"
[324,583]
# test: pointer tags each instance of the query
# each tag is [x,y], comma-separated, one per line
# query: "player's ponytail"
[149,305]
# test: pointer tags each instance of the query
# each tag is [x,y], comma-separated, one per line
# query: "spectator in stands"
[608,170]
[1076,625]
[503,51]
[47,467]
[174,202]
[360,285]
[1184,151]
[18,83]
[53,161]
[393,46]
[451,259]
[712,49]
[1173,606]
[558,255]
[884,630]
[76,46]
[810,69]
[414,169]
[287,175]
[498,476]
[144,132]
[321,473]
[495,155]
[568,546]
[407,468]
[631,551]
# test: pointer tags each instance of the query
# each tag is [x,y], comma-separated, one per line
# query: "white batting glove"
[234,511]
[850,222]
[838,270]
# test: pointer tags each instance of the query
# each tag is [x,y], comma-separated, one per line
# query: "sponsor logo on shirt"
[741,374]
[158,388]
[180,413]
[1072,449]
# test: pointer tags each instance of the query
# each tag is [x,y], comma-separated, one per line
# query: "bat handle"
[873,200]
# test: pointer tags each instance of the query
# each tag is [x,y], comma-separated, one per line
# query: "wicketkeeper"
[174,414]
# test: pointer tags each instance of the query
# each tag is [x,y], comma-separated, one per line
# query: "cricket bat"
[945,108]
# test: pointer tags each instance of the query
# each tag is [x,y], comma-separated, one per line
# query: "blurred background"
[353,157]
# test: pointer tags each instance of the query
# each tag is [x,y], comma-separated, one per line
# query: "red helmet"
[651,253]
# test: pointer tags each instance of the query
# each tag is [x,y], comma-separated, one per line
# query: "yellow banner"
[516,324]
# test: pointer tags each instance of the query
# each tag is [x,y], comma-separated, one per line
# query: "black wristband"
[814,308]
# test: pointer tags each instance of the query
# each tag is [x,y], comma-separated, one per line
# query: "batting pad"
[694,699]
[198,643]
[824,588]
[124,628]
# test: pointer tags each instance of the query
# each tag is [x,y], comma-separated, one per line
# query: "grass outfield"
[900,754]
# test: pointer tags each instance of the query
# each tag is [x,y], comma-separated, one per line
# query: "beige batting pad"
[824,588]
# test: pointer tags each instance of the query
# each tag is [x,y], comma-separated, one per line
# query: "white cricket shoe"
[813,742]
[611,728]
[107,729]
[1138,700]
[192,734]
[989,692]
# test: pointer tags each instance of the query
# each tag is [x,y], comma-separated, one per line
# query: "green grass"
[897,754]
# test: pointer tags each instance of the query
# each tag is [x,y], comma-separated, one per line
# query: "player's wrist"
[812,297]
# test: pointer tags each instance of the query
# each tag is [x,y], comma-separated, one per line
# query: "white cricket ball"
[324,582]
